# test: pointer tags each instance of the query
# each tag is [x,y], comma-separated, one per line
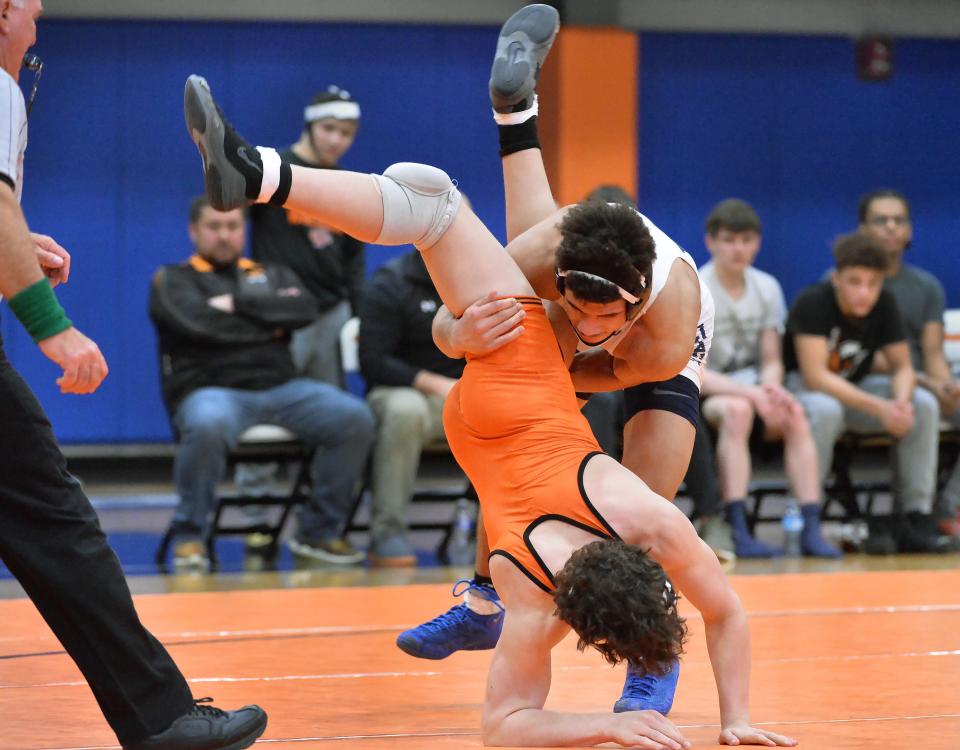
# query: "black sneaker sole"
[522,46]
[225,186]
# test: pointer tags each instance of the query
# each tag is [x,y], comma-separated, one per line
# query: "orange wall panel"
[588,103]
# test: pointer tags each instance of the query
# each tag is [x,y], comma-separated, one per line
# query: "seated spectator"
[743,392]
[408,380]
[884,216]
[224,325]
[833,332]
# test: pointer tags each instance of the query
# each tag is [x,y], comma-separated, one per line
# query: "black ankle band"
[283,189]
[482,580]
[520,137]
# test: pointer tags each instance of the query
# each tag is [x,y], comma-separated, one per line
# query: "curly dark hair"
[610,241]
[619,601]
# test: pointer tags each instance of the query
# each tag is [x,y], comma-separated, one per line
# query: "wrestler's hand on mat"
[744,734]
[54,259]
[488,324]
[647,729]
[84,367]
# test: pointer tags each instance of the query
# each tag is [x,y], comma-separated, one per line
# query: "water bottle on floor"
[792,529]
[461,550]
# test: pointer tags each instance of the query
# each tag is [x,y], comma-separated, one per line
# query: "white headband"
[338,110]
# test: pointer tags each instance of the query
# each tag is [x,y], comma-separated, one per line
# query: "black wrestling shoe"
[208,728]
[524,42]
[232,169]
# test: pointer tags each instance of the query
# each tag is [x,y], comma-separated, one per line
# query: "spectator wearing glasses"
[885,217]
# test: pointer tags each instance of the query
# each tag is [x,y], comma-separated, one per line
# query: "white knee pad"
[419,204]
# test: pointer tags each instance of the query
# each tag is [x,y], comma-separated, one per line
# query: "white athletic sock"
[476,603]
[271,173]
[515,118]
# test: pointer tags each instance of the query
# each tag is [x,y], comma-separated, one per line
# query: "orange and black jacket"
[202,346]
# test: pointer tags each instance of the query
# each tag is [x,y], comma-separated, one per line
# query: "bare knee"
[736,417]
[797,426]
[419,204]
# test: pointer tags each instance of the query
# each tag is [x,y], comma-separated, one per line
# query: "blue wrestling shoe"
[458,629]
[646,692]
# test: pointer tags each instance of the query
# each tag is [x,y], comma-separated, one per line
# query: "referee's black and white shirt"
[13,133]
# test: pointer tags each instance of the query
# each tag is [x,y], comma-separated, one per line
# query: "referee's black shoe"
[208,728]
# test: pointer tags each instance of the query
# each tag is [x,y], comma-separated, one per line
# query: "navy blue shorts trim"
[679,395]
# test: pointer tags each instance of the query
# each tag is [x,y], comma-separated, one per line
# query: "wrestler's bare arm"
[535,251]
[658,346]
[693,568]
[519,680]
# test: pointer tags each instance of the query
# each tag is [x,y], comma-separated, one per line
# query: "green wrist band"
[38,310]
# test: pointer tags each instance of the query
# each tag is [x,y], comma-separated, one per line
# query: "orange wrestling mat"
[841,661]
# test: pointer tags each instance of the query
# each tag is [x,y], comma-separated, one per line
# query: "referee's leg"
[51,540]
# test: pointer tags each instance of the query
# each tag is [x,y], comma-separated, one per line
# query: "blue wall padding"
[780,121]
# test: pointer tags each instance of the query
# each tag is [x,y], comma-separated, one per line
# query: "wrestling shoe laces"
[457,629]
[486,592]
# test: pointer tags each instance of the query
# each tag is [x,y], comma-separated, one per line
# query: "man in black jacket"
[224,324]
[408,380]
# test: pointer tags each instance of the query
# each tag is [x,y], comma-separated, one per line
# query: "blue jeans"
[211,420]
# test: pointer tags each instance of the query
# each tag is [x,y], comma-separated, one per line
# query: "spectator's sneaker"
[646,692]
[392,552]
[719,537]
[256,542]
[458,629]
[949,526]
[880,539]
[918,532]
[190,556]
[232,168]
[208,728]
[338,550]
[524,42]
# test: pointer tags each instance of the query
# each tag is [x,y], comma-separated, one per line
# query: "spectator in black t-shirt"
[330,264]
[409,379]
[833,331]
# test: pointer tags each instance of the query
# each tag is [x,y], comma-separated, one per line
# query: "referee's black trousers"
[51,540]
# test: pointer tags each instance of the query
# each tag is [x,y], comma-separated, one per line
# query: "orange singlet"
[513,425]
